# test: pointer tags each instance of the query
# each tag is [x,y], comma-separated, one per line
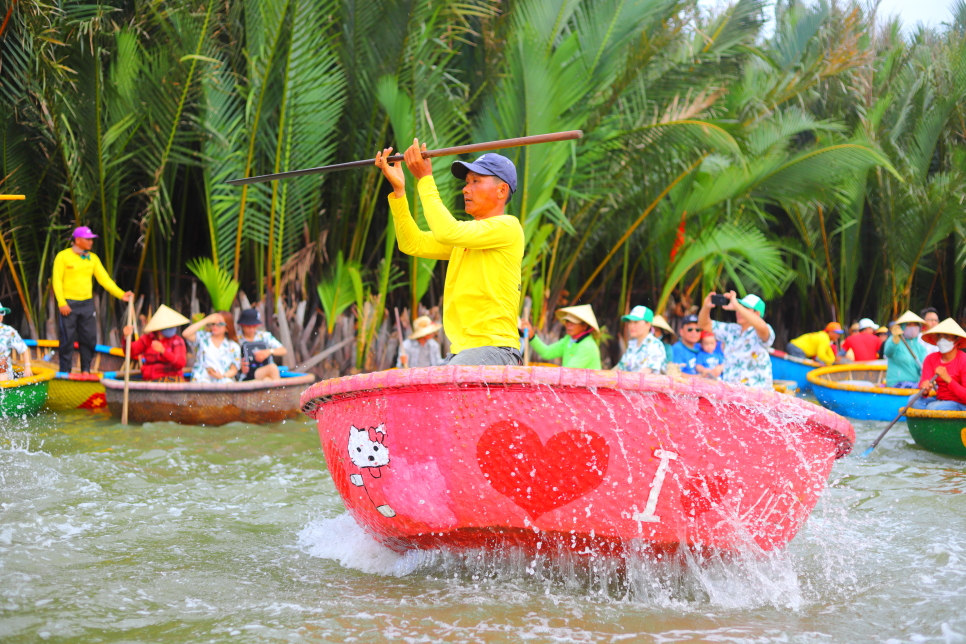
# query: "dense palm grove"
[818,159]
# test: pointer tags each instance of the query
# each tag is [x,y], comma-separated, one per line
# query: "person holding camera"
[746,342]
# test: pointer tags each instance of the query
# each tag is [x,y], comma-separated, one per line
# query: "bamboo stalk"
[427,154]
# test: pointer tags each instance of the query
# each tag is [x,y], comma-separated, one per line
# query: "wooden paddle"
[402,348]
[127,360]
[503,144]
[526,338]
[901,412]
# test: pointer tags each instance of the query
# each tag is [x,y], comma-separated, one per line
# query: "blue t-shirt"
[711,360]
[685,357]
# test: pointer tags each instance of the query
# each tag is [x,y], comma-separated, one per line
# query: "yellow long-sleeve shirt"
[72,277]
[482,291]
[817,346]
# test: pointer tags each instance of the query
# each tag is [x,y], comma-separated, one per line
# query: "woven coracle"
[256,402]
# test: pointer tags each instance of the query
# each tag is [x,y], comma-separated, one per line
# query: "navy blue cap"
[689,319]
[495,165]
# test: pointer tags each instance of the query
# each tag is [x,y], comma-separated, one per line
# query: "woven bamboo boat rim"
[816,378]
[934,413]
[466,376]
[54,344]
[110,382]
[781,355]
[40,375]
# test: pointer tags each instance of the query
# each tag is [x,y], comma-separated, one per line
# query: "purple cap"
[84,233]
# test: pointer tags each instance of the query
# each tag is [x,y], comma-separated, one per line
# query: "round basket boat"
[73,390]
[786,367]
[942,432]
[25,396]
[258,402]
[858,391]
[484,457]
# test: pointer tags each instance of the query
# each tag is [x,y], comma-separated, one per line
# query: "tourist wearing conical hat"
[579,348]
[904,353]
[949,364]
[162,351]
[645,353]
[663,332]
[11,341]
[421,349]
[746,343]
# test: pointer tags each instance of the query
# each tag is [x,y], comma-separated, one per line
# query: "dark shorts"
[486,356]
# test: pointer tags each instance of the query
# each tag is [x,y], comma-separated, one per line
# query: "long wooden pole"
[427,154]
[402,348]
[526,337]
[127,360]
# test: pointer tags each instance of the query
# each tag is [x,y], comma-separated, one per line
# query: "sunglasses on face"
[691,329]
[216,324]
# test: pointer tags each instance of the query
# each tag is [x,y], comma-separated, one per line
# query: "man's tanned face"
[484,194]
[83,243]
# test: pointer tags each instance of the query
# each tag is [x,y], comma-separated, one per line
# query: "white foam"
[341,539]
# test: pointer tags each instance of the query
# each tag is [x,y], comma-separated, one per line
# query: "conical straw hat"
[165,318]
[947,326]
[584,313]
[909,316]
[422,326]
[661,323]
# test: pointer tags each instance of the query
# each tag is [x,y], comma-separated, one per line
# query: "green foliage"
[219,283]
[339,290]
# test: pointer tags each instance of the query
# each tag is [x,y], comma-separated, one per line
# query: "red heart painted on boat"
[539,477]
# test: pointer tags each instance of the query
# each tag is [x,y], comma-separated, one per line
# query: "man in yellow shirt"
[73,288]
[481,296]
[817,346]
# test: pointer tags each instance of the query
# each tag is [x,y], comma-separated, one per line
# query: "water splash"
[684,581]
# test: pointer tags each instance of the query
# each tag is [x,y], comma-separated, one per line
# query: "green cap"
[752,301]
[638,314]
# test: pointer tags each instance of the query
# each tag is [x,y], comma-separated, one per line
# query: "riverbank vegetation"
[815,154]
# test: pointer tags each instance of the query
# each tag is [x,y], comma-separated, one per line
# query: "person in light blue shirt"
[710,361]
[685,350]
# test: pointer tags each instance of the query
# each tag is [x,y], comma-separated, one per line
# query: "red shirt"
[956,368]
[865,346]
[160,365]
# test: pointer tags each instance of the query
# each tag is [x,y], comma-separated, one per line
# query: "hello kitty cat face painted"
[366,448]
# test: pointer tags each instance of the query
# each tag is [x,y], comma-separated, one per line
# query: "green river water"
[165,533]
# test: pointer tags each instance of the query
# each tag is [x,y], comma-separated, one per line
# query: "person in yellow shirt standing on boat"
[74,269]
[817,346]
[481,296]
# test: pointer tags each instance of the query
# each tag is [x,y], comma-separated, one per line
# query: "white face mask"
[944,345]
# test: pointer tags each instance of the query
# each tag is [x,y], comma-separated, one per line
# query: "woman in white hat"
[948,365]
[161,349]
[645,353]
[904,353]
[11,341]
[421,349]
[579,350]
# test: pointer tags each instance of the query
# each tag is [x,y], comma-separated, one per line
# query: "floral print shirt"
[746,356]
[208,355]
[10,340]
[650,354]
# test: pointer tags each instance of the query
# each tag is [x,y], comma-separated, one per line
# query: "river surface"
[164,533]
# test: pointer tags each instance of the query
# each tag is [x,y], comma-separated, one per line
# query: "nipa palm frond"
[219,283]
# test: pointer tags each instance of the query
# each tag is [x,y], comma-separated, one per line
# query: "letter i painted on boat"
[656,484]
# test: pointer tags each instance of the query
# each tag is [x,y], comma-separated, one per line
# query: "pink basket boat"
[591,461]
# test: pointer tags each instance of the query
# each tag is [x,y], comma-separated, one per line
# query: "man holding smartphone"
[746,342]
